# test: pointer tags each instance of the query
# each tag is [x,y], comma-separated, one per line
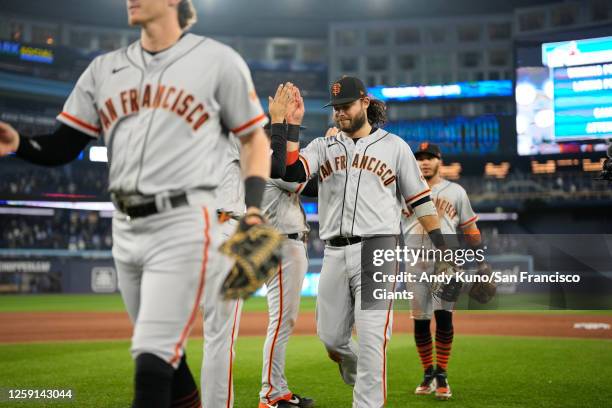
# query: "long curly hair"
[377,113]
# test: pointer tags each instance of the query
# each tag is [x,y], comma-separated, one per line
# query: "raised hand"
[279,105]
[295,112]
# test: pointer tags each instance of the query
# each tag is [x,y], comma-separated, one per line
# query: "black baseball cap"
[346,90]
[429,148]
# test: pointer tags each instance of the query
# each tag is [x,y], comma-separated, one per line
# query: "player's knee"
[290,320]
[332,342]
[421,315]
[444,319]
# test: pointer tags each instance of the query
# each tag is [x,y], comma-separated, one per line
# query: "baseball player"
[281,204]
[364,172]
[162,105]
[222,317]
[455,213]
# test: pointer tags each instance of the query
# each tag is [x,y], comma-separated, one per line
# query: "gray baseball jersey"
[165,120]
[230,193]
[455,211]
[453,206]
[163,116]
[281,204]
[359,183]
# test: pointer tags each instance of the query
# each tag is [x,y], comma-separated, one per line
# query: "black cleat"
[296,401]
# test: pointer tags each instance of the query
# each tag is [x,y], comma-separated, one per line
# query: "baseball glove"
[257,254]
[450,289]
[483,292]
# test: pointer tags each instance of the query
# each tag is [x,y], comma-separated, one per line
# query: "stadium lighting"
[98,154]
[522,123]
[549,89]
[525,94]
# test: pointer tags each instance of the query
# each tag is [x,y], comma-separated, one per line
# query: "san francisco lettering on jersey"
[177,101]
[363,162]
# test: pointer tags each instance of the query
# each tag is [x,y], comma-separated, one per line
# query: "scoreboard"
[581,73]
[564,93]
[583,101]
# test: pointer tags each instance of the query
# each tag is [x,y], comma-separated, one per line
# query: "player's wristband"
[253,191]
[293,133]
[437,238]
[278,129]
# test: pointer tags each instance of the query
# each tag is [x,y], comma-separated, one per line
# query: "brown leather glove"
[483,292]
[257,252]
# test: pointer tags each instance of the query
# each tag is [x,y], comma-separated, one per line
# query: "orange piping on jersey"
[471,220]
[280,321]
[80,122]
[187,328]
[231,356]
[306,166]
[249,123]
[384,373]
[414,197]
[299,187]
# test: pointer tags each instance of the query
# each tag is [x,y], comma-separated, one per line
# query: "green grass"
[484,372]
[100,303]
[113,303]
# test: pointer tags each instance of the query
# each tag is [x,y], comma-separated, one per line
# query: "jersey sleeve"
[466,213]
[80,111]
[312,156]
[412,184]
[241,111]
[235,147]
[288,186]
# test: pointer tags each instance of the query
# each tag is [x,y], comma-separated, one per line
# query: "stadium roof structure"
[295,18]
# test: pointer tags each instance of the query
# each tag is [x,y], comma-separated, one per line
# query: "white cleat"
[428,386]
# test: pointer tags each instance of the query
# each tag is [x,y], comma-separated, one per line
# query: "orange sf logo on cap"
[424,146]
[335,90]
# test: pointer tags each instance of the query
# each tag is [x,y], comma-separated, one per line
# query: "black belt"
[343,241]
[145,205]
[298,236]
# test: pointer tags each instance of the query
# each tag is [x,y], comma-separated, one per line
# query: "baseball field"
[499,359]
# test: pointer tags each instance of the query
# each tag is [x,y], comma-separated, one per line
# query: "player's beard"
[354,125]
[434,171]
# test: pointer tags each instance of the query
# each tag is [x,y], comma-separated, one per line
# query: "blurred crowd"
[86,230]
[519,187]
[18,178]
[79,178]
[65,229]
